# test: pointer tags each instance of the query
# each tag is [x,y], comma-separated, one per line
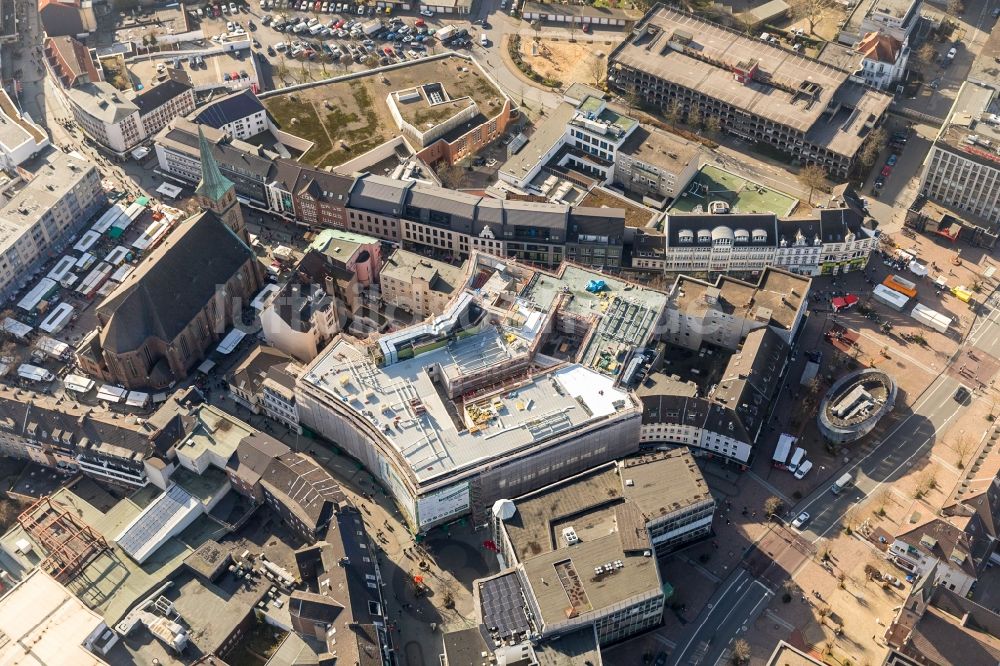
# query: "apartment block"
[40,217]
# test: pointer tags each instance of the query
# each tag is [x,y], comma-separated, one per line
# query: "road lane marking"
[741,578]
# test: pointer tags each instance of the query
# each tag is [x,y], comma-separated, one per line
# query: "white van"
[484,41]
[316,29]
[280,46]
[803,469]
[797,458]
[841,483]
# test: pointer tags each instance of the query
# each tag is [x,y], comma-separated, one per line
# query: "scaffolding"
[68,543]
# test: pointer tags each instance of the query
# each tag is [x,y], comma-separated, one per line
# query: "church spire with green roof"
[213,185]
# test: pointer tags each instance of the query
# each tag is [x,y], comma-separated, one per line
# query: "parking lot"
[312,41]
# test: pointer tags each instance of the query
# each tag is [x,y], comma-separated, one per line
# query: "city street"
[738,602]
[975,25]
[898,451]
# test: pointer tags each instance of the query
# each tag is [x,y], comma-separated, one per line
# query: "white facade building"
[840,241]
[883,60]
[20,138]
[893,17]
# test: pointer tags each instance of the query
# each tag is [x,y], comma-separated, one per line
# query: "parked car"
[952,52]
[886,171]
[892,159]
[426,12]
[800,520]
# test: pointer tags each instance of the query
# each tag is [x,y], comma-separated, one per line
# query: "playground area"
[743,195]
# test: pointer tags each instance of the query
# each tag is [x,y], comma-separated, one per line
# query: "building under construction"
[68,544]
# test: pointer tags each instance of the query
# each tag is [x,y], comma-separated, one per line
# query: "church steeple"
[213,185]
[217,193]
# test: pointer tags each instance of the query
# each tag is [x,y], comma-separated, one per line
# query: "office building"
[240,115]
[333,285]
[301,492]
[71,62]
[936,626]
[340,605]
[896,18]
[118,122]
[66,17]
[580,551]
[248,167]
[425,217]
[46,624]
[264,383]
[164,102]
[583,135]
[420,285]
[77,438]
[962,168]
[657,164]
[952,551]
[883,60]
[757,91]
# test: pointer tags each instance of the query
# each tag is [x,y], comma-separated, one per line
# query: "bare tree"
[955,7]
[598,70]
[741,652]
[850,517]
[694,118]
[673,112]
[873,147]
[772,505]
[811,11]
[963,447]
[926,54]
[812,176]
[882,498]
[713,124]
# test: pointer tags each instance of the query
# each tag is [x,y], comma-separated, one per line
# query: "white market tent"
[231,341]
[111,393]
[78,383]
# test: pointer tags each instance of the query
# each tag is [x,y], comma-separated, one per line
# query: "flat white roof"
[45,624]
[404,404]
[231,341]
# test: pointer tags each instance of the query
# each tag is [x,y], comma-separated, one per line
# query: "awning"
[168,190]
[140,152]
[231,341]
[206,366]
[843,302]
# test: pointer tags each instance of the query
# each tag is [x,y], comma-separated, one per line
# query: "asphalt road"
[891,459]
[732,608]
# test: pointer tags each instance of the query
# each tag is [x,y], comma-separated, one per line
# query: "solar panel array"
[503,607]
[152,521]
